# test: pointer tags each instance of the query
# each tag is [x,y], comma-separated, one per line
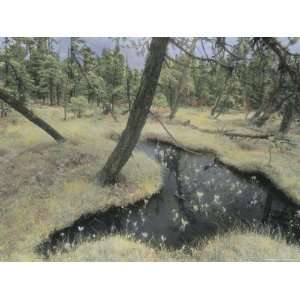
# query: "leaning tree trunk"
[138,114]
[28,114]
[269,106]
[287,118]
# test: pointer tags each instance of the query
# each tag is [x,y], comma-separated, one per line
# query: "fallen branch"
[176,142]
[231,134]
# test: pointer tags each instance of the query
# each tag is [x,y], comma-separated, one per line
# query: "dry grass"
[45,186]
[232,247]
[249,246]
[113,248]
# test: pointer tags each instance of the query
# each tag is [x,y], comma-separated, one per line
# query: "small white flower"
[186,178]
[253,202]
[163,238]
[205,205]
[67,246]
[176,216]
[216,197]
[62,234]
[80,228]
[161,153]
[145,234]
[199,195]
[94,235]
[183,224]
[239,192]
[195,208]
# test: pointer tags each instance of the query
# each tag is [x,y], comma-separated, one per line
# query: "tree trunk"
[51,94]
[65,108]
[98,101]
[182,81]
[247,106]
[128,90]
[28,114]
[287,118]
[268,107]
[216,105]
[138,114]
[58,94]
[2,109]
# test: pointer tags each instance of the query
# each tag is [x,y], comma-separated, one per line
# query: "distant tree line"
[32,71]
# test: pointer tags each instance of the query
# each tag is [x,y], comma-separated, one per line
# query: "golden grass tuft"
[231,247]
[250,246]
[113,248]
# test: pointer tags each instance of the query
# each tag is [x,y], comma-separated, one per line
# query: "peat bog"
[200,198]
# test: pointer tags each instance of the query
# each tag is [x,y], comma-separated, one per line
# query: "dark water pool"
[200,198]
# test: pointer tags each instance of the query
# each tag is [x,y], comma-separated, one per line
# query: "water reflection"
[199,198]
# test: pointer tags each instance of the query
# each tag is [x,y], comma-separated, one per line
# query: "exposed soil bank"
[200,198]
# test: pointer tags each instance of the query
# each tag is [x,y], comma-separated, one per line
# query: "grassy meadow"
[46,186]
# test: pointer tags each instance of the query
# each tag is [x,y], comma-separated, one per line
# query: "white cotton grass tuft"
[199,195]
[195,208]
[163,238]
[183,225]
[145,234]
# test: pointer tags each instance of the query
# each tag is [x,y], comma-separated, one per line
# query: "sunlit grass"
[249,246]
[234,246]
[113,248]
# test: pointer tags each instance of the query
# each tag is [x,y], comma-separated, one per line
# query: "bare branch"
[211,60]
